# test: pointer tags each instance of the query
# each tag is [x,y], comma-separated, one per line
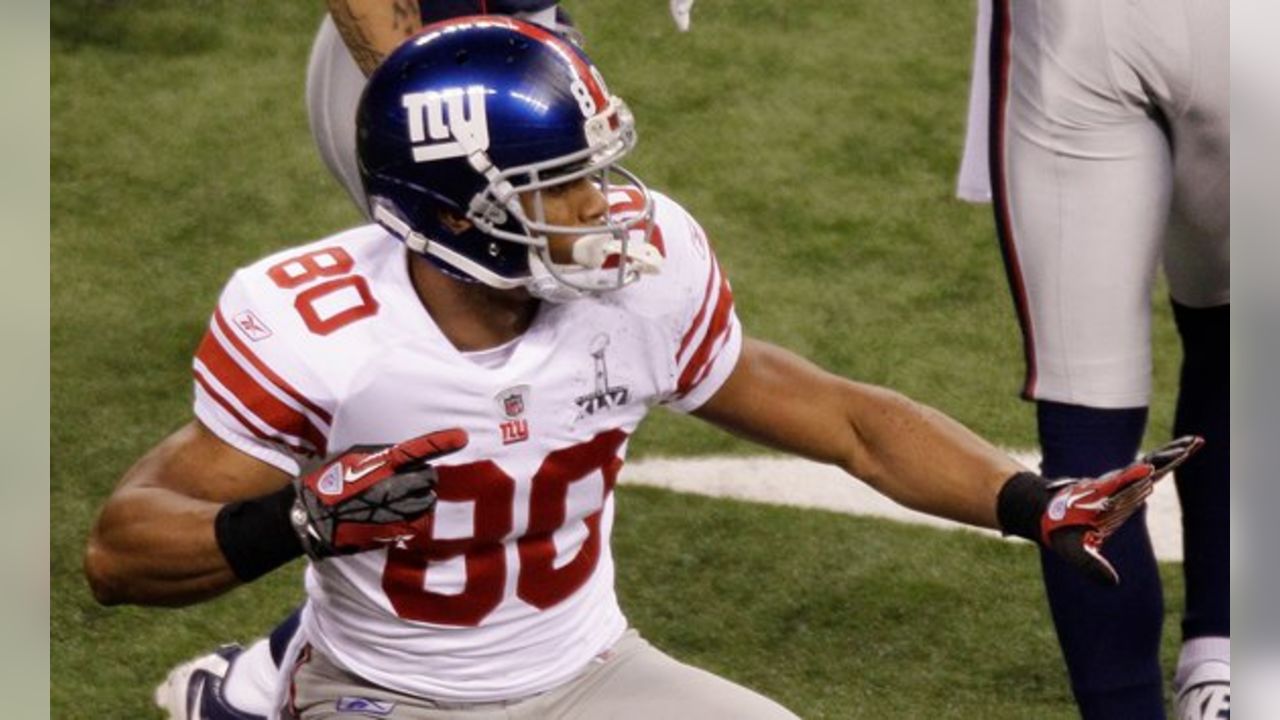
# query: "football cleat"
[193,690]
[1206,695]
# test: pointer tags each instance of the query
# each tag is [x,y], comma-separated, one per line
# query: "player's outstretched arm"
[924,460]
[914,454]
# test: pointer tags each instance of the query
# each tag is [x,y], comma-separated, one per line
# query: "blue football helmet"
[474,114]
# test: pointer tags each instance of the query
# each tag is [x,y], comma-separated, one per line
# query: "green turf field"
[817,142]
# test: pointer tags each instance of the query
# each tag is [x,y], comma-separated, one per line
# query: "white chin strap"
[547,280]
[592,251]
[542,283]
[587,275]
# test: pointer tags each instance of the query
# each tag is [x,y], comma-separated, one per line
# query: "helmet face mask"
[616,236]
[480,118]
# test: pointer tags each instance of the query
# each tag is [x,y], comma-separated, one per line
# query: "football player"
[1109,127]
[352,39]
[434,410]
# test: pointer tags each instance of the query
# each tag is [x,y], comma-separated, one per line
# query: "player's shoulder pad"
[689,262]
[262,298]
[263,381]
[679,237]
[691,304]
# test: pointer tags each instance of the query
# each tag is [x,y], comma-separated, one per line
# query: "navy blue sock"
[279,639]
[1110,637]
[1204,489]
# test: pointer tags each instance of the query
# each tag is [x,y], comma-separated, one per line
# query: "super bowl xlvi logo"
[446,124]
[604,396]
[511,403]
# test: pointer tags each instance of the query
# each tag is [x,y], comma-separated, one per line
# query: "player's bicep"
[779,399]
[196,463]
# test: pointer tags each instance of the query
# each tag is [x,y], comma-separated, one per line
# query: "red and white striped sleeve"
[710,337]
[252,392]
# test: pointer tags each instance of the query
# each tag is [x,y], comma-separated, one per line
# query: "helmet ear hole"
[453,222]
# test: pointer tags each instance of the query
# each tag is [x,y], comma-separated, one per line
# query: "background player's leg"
[1110,637]
[1197,262]
[1081,180]
[1203,486]
[1198,265]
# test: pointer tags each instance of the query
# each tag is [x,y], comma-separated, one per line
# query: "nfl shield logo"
[511,402]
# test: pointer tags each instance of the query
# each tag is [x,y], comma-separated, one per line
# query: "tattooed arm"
[373,28]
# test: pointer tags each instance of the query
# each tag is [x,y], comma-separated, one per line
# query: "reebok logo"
[252,326]
[364,706]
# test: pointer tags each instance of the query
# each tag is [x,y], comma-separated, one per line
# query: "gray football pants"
[634,681]
[1113,153]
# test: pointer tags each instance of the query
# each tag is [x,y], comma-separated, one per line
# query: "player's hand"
[1083,513]
[369,497]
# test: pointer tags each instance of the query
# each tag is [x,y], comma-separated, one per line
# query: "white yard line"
[801,483]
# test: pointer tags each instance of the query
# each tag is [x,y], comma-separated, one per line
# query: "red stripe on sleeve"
[226,405]
[697,319]
[716,328]
[268,373]
[706,368]
[253,396]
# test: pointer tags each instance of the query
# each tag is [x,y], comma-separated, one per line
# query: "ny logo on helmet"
[446,124]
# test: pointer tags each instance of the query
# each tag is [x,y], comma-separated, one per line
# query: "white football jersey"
[511,592]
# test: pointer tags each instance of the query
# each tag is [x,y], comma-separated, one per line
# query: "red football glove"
[1083,513]
[370,496]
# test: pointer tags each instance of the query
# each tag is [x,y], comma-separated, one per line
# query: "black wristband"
[1021,504]
[256,535]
